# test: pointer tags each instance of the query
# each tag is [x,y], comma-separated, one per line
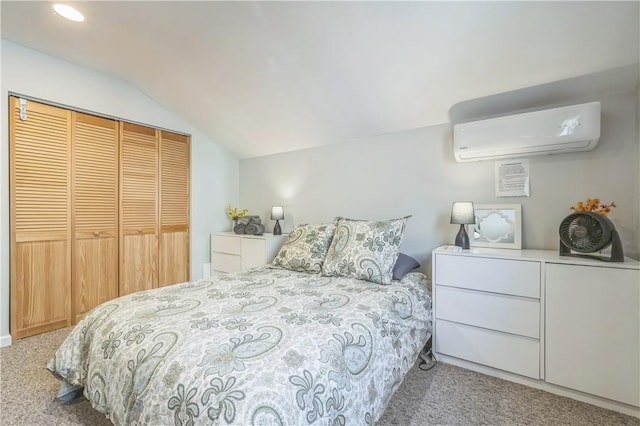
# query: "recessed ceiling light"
[68,12]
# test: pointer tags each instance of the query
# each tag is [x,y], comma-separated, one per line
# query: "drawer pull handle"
[96,233]
[139,230]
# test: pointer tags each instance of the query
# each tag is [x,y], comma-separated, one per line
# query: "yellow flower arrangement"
[236,214]
[593,205]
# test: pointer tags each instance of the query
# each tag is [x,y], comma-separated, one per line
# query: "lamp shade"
[277,213]
[462,212]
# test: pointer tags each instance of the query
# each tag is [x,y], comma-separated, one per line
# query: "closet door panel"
[40,301]
[95,213]
[40,218]
[96,273]
[174,257]
[138,208]
[174,208]
[139,269]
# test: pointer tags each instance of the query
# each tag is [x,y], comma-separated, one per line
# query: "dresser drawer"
[226,244]
[223,262]
[506,352]
[509,314]
[515,277]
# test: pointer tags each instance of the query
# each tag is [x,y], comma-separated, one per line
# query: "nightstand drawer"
[515,277]
[226,244]
[506,352]
[223,262]
[509,314]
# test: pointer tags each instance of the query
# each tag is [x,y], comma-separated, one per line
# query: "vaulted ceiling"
[268,77]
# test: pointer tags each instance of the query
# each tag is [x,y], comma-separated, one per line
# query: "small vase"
[234,222]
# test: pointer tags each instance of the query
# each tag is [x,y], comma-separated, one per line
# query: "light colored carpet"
[445,395]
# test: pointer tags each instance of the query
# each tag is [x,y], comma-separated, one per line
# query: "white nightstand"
[236,252]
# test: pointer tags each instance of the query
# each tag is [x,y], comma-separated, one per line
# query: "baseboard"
[542,385]
[5,341]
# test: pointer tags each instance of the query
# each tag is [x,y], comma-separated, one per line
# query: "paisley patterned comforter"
[266,346]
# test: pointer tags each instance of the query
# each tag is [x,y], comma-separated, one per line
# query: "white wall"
[413,172]
[214,171]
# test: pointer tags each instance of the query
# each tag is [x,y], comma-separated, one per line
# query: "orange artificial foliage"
[593,205]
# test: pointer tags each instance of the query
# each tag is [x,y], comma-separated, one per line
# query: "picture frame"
[497,226]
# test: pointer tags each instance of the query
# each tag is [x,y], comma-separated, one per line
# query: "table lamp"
[462,213]
[277,213]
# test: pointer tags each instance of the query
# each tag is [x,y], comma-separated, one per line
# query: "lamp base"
[276,229]
[462,239]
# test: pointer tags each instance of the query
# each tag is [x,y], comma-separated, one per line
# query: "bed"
[264,346]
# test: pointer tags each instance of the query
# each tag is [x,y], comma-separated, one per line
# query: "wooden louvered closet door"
[99,209]
[174,208]
[138,208]
[40,182]
[95,212]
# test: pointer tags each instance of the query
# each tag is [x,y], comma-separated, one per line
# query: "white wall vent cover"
[551,131]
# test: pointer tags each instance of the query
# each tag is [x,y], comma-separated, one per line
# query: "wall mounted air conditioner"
[551,131]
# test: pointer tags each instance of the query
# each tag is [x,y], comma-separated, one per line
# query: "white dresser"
[569,325]
[233,252]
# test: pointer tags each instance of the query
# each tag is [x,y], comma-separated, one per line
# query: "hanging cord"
[428,360]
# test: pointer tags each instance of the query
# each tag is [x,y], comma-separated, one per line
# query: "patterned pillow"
[365,249]
[306,248]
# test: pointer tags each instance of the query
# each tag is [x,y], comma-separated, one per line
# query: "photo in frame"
[497,226]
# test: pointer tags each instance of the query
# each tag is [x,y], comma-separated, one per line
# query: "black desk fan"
[588,232]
